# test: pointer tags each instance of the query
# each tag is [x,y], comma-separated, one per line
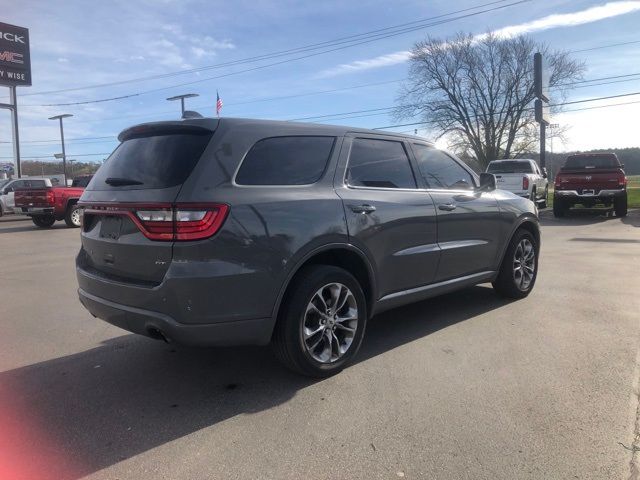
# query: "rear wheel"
[322,322]
[543,202]
[73,217]
[519,268]
[620,206]
[559,207]
[43,221]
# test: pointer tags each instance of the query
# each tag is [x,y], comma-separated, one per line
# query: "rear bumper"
[36,210]
[602,194]
[148,323]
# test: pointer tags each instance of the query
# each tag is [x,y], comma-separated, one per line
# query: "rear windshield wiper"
[120,182]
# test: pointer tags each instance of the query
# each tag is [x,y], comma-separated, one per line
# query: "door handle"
[447,207]
[362,208]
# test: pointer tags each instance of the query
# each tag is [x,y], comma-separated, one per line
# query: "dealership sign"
[15,61]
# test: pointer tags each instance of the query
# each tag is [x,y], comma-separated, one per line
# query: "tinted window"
[439,170]
[80,182]
[157,161]
[509,167]
[286,161]
[592,161]
[35,183]
[379,163]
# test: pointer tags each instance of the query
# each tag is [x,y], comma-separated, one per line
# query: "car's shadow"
[71,416]
[581,216]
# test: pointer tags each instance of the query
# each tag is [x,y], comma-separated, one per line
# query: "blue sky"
[76,43]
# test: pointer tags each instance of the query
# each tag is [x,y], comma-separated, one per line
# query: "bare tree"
[479,92]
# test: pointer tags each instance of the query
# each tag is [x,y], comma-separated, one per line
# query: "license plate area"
[588,192]
[110,226]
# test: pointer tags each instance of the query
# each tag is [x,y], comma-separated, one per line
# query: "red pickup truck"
[46,205]
[589,179]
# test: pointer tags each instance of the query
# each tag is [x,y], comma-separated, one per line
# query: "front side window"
[286,161]
[440,171]
[379,164]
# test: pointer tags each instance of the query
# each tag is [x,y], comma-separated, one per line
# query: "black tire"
[506,284]
[288,337]
[73,215]
[620,206]
[559,207]
[43,221]
[543,203]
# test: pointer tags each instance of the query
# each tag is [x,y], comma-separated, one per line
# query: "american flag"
[218,104]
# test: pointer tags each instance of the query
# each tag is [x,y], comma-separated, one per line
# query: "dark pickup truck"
[589,179]
[48,204]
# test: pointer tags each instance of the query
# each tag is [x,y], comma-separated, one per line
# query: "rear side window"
[379,164]
[592,161]
[286,161]
[80,182]
[440,171]
[35,183]
[154,161]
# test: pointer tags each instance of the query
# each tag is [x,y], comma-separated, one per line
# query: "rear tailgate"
[580,180]
[510,181]
[126,234]
[34,197]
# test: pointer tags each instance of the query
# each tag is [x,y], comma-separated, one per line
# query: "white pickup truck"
[522,177]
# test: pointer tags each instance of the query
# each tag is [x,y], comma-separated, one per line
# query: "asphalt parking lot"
[466,386]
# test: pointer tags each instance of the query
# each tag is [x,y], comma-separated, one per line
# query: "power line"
[68,155]
[315,46]
[604,46]
[527,108]
[378,37]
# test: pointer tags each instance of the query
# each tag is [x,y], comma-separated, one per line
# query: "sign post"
[15,71]
[541,75]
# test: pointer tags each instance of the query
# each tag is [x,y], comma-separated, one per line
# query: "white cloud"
[593,14]
[358,65]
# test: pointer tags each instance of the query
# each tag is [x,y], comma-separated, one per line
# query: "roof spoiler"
[163,128]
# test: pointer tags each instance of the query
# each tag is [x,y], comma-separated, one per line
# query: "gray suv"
[237,231]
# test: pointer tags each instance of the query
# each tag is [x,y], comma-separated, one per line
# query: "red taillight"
[525,183]
[622,180]
[166,222]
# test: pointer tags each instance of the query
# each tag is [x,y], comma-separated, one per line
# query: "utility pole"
[64,154]
[541,75]
[181,98]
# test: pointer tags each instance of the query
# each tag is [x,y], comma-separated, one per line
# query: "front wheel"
[519,268]
[43,221]
[73,217]
[322,322]
[620,206]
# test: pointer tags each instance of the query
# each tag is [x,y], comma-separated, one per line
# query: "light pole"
[181,98]
[64,155]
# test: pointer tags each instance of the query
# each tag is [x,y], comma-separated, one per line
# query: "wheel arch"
[345,256]
[528,223]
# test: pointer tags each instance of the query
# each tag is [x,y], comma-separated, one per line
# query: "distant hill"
[32,168]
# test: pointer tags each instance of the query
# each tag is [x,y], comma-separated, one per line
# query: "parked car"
[236,231]
[9,187]
[523,177]
[590,179]
[47,204]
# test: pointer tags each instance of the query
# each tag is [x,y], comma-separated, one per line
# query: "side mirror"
[487,182]
[622,165]
[545,174]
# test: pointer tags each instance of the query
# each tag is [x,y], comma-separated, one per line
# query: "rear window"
[153,161]
[509,167]
[286,161]
[592,161]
